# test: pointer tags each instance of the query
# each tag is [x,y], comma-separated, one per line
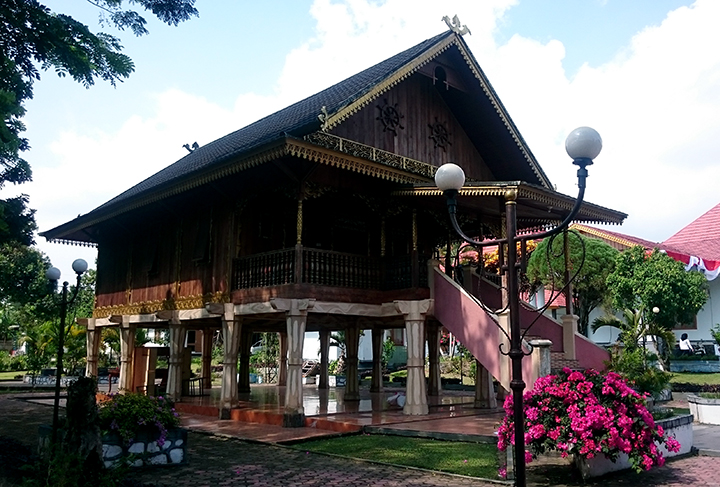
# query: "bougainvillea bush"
[129,413]
[587,414]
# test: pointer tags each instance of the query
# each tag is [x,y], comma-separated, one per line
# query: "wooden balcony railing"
[301,265]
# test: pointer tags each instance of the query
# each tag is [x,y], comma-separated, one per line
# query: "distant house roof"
[700,238]
[618,240]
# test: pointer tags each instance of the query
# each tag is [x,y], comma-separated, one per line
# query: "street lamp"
[53,275]
[582,145]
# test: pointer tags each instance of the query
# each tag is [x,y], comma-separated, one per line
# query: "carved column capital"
[414,310]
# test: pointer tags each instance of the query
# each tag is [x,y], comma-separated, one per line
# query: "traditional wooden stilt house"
[323,216]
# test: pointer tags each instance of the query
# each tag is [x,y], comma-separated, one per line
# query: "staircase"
[477,329]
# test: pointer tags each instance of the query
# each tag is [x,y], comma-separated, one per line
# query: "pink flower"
[528,457]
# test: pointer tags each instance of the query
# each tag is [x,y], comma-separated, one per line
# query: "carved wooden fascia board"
[332,120]
[255,308]
[151,307]
[293,307]
[352,156]
[589,212]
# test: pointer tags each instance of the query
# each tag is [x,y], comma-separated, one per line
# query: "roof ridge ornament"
[324,118]
[455,25]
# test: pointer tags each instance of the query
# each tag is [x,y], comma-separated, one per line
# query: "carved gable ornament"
[390,117]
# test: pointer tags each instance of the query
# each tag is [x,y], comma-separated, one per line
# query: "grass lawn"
[472,459]
[11,375]
[695,378]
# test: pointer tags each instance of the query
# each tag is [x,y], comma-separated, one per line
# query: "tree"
[22,274]
[644,280]
[546,267]
[34,38]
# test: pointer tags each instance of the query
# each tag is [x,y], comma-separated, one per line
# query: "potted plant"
[336,372]
[589,416]
[143,429]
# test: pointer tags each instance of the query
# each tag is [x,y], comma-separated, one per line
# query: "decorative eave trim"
[384,164]
[589,212]
[78,243]
[383,86]
[502,113]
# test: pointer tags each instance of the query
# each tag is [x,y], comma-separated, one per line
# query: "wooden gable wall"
[420,105]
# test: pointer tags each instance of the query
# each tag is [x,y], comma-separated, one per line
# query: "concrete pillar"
[485,397]
[433,340]
[296,311]
[541,358]
[283,359]
[414,314]
[231,328]
[244,372]
[206,367]
[92,342]
[175,362]
[127,350]
[352,342]
[324,358]
[570,324]
[376,385]
[504,322]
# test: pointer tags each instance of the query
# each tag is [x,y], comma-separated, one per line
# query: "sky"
[644,73]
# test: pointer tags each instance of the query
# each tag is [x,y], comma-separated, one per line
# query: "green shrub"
[5,361]
[636,366]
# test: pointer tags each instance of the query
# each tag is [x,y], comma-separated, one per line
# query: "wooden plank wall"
[421,105]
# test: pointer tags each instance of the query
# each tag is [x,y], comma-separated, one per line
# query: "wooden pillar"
[324,359]
[415,269]
[283,359]
[298,242]
[414,314]
[231,329]
[175,363]
[92,343]
[296,311]
[206,367]
[244,372]
[127,349]
[376,385]
[485,397]
[433,340]
[352,341]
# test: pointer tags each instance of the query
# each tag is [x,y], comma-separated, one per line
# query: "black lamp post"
[53,274]
[582,145]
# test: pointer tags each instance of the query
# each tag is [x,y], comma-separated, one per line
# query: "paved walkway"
[227,460]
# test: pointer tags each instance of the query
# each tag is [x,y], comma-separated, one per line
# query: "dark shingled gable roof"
[297,119]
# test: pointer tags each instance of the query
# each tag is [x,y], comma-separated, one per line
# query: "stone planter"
[680,427]
[705,410]
[707,366]
[144,450]
[336,380]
